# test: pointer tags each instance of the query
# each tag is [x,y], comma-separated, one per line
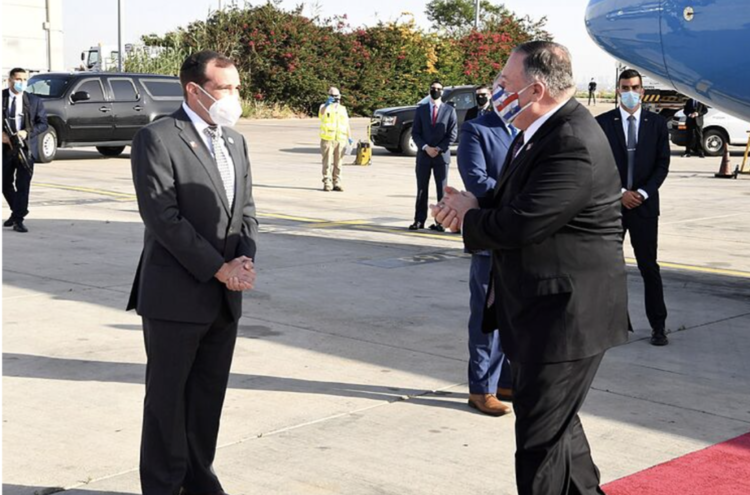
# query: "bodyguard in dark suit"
[481,153]
[434,128]
[26,117]
[640,143]
[694,112]
[192,178]
[483,104]
[559,296]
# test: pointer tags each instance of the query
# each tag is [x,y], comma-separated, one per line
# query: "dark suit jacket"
[554,226]
[652,155]
[693,107]
[190,230]
[473,113]
[34,120]
[441,135]
[481,153]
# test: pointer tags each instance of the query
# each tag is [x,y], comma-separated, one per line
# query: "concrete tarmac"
[349,375]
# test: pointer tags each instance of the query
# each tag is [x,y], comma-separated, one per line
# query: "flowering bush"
[287,59]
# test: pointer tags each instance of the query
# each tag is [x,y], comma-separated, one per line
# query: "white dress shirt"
[625,115]
[201,126]
[19,108]
[538,123]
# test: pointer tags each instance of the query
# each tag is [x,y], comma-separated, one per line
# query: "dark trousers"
[186,379]
[644,235]
[592,96]
[16,185]
[552,454]
[488,366]
[694,138]
[425,167]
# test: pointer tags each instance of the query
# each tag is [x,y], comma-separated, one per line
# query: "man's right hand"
[432,151]
[238,274]
[631,199]
[6,139]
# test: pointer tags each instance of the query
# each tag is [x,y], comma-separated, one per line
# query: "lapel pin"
[193,145]
[231,141]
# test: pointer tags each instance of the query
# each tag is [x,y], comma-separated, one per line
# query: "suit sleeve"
[558,188]
[472,164]
[39,124]
[247,246]
[416,129]
[661,167]
[154,181]
[451,132]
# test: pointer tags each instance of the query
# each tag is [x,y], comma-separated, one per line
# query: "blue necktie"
[12,115]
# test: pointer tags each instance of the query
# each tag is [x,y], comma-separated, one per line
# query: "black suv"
[102,109]
[391,127]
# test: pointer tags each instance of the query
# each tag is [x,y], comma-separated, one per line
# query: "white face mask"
[225,111]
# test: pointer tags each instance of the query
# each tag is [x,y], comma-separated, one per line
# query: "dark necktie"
[631,151]
[434,114]
[12,115]
[518,145]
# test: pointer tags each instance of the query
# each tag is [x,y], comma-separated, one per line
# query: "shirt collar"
[200,124]
[437,103]
[538,123]
[625,114]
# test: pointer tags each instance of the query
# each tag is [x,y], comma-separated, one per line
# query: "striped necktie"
[631,144]
[222,162]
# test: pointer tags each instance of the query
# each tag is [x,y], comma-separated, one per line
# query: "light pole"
[120,55]
[476,15]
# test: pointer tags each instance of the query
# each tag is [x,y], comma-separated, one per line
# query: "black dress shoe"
[9,223]
[659,337]
[437,227]
[416,226]
[20,227]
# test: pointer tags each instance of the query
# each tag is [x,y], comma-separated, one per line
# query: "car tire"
[111,150]
[394,150]
[47,147]
[714,141]
[408,147]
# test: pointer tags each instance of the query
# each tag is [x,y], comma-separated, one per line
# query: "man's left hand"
[22,134]
[632,199]
[452,208]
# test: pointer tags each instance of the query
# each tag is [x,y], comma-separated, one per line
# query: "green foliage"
[288,61]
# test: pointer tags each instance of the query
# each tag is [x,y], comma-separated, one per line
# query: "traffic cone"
[725,170]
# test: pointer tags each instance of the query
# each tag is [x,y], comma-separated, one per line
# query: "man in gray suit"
[192,179]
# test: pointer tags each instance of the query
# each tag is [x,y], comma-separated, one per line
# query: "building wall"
[27,41]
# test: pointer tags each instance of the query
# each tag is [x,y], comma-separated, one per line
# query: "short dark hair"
[483,86]
[194,67]
[15,71]
[436,81]
[629,74]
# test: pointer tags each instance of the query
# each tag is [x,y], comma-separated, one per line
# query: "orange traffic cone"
[725,170]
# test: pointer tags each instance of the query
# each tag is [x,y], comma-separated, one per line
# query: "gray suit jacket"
[190,229]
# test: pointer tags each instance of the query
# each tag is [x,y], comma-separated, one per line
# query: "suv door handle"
[105,109]
[137,108]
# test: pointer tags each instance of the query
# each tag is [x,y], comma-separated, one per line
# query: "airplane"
[699,47]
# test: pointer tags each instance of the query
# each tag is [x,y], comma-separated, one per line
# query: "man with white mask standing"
[640,143]
[558,293]
[192,178]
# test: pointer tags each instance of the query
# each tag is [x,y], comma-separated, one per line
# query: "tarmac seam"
[79,284]
[682,408]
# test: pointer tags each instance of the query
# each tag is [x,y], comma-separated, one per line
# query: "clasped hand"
[238,274]
[450,211]
[631,199]
[432,151]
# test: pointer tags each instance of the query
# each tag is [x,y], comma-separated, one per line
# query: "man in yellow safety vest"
[335,133]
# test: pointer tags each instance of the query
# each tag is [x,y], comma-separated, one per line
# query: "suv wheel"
[713,142]
[110,150]
[47,145]
[408,147]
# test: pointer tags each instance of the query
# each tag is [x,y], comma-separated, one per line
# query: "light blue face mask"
[19,86]
[631,99]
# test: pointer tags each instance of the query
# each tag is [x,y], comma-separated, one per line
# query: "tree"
[456,18]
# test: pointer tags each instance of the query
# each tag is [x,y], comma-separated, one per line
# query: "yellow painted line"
[411,233]
[279,216]
[326,225]
[697,269]
[101,192]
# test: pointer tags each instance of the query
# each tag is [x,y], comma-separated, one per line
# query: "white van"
[718,128]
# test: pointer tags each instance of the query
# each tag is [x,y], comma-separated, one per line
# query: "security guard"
[335,133]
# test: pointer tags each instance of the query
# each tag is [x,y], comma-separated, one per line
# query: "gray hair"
[550,63]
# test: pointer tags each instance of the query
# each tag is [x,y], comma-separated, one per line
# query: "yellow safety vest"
[334,123]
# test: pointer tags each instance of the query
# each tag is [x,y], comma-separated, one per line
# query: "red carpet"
[723,469]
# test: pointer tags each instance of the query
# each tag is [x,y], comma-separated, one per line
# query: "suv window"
[163,89]
[123,90]
[93,87]
[47,85]
[463,101]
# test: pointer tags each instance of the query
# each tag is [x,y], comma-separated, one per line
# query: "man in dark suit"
[694,112]
[27,118]
[481,154]
[192,178]
[559,295]
[592,91]
[434,128]
[483,104]
[640,143]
